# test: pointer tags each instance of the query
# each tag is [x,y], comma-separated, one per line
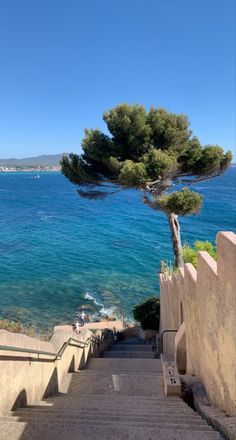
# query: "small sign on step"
[172,385]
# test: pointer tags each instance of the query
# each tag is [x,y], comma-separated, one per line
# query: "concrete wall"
[207,297]
[23,380]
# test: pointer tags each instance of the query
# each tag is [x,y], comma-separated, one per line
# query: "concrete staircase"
[118,397]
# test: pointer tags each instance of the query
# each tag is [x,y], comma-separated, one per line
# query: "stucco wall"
[208,298]
[23,380]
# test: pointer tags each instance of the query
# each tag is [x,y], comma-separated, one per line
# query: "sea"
[60,252]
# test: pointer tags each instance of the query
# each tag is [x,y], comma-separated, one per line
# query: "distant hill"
[51,160]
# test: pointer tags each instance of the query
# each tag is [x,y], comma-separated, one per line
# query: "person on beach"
[82,317]
[77,327]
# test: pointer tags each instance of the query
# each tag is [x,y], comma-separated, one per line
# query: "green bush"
[148,313]
[190,253]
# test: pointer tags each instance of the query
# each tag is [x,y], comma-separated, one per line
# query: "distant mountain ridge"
[51,160]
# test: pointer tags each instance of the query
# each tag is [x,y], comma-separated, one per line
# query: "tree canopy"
[143,146]
[148,150]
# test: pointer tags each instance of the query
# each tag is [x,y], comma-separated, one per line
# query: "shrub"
[29,330]
[148,313]
[167,267]
[190,252]
[11,326]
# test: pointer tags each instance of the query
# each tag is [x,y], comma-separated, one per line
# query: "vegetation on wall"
[151,151]
[148,313]
[190,255]
[190,252]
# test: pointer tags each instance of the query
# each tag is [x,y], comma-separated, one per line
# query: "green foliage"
[148,313]
[114,165]
[154,164]
[159,164]
[226,160]
[169,131]
[210,160]
[190,253]
[96,145]
[158,139]
[131,133]
[133,174]
[77,170]
[190,155]
[182,202]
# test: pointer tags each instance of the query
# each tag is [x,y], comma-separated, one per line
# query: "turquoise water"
[59,251]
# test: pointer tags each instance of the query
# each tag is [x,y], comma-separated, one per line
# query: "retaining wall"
[28,378]
[204,302]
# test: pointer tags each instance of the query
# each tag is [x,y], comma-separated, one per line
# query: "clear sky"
[63,62]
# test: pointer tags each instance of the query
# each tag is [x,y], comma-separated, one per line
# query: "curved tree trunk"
[176,238]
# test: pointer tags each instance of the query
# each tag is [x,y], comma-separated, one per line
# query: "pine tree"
[150,151]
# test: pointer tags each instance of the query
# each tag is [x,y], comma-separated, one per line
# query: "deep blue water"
[59,251]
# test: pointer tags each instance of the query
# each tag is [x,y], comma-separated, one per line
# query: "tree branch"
[202,178]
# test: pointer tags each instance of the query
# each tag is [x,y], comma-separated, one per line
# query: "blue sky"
[63,62]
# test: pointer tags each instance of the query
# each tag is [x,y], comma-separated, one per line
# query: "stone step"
[61,431]
[72,407]
[133,341]
[41,404]
[117,399]
[125,365]
[113,408]
[117,410]
[132,385]
[105,412]
[122,372]
[86,413]
[82,402]
[130,400]
[112,421]
[131,347]
[148,402]
[129,354]
[88,375]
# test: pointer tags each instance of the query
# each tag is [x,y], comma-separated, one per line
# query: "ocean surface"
[59,251]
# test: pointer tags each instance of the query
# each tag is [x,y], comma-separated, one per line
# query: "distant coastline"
[39,168]
[45,162]
[4,169]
